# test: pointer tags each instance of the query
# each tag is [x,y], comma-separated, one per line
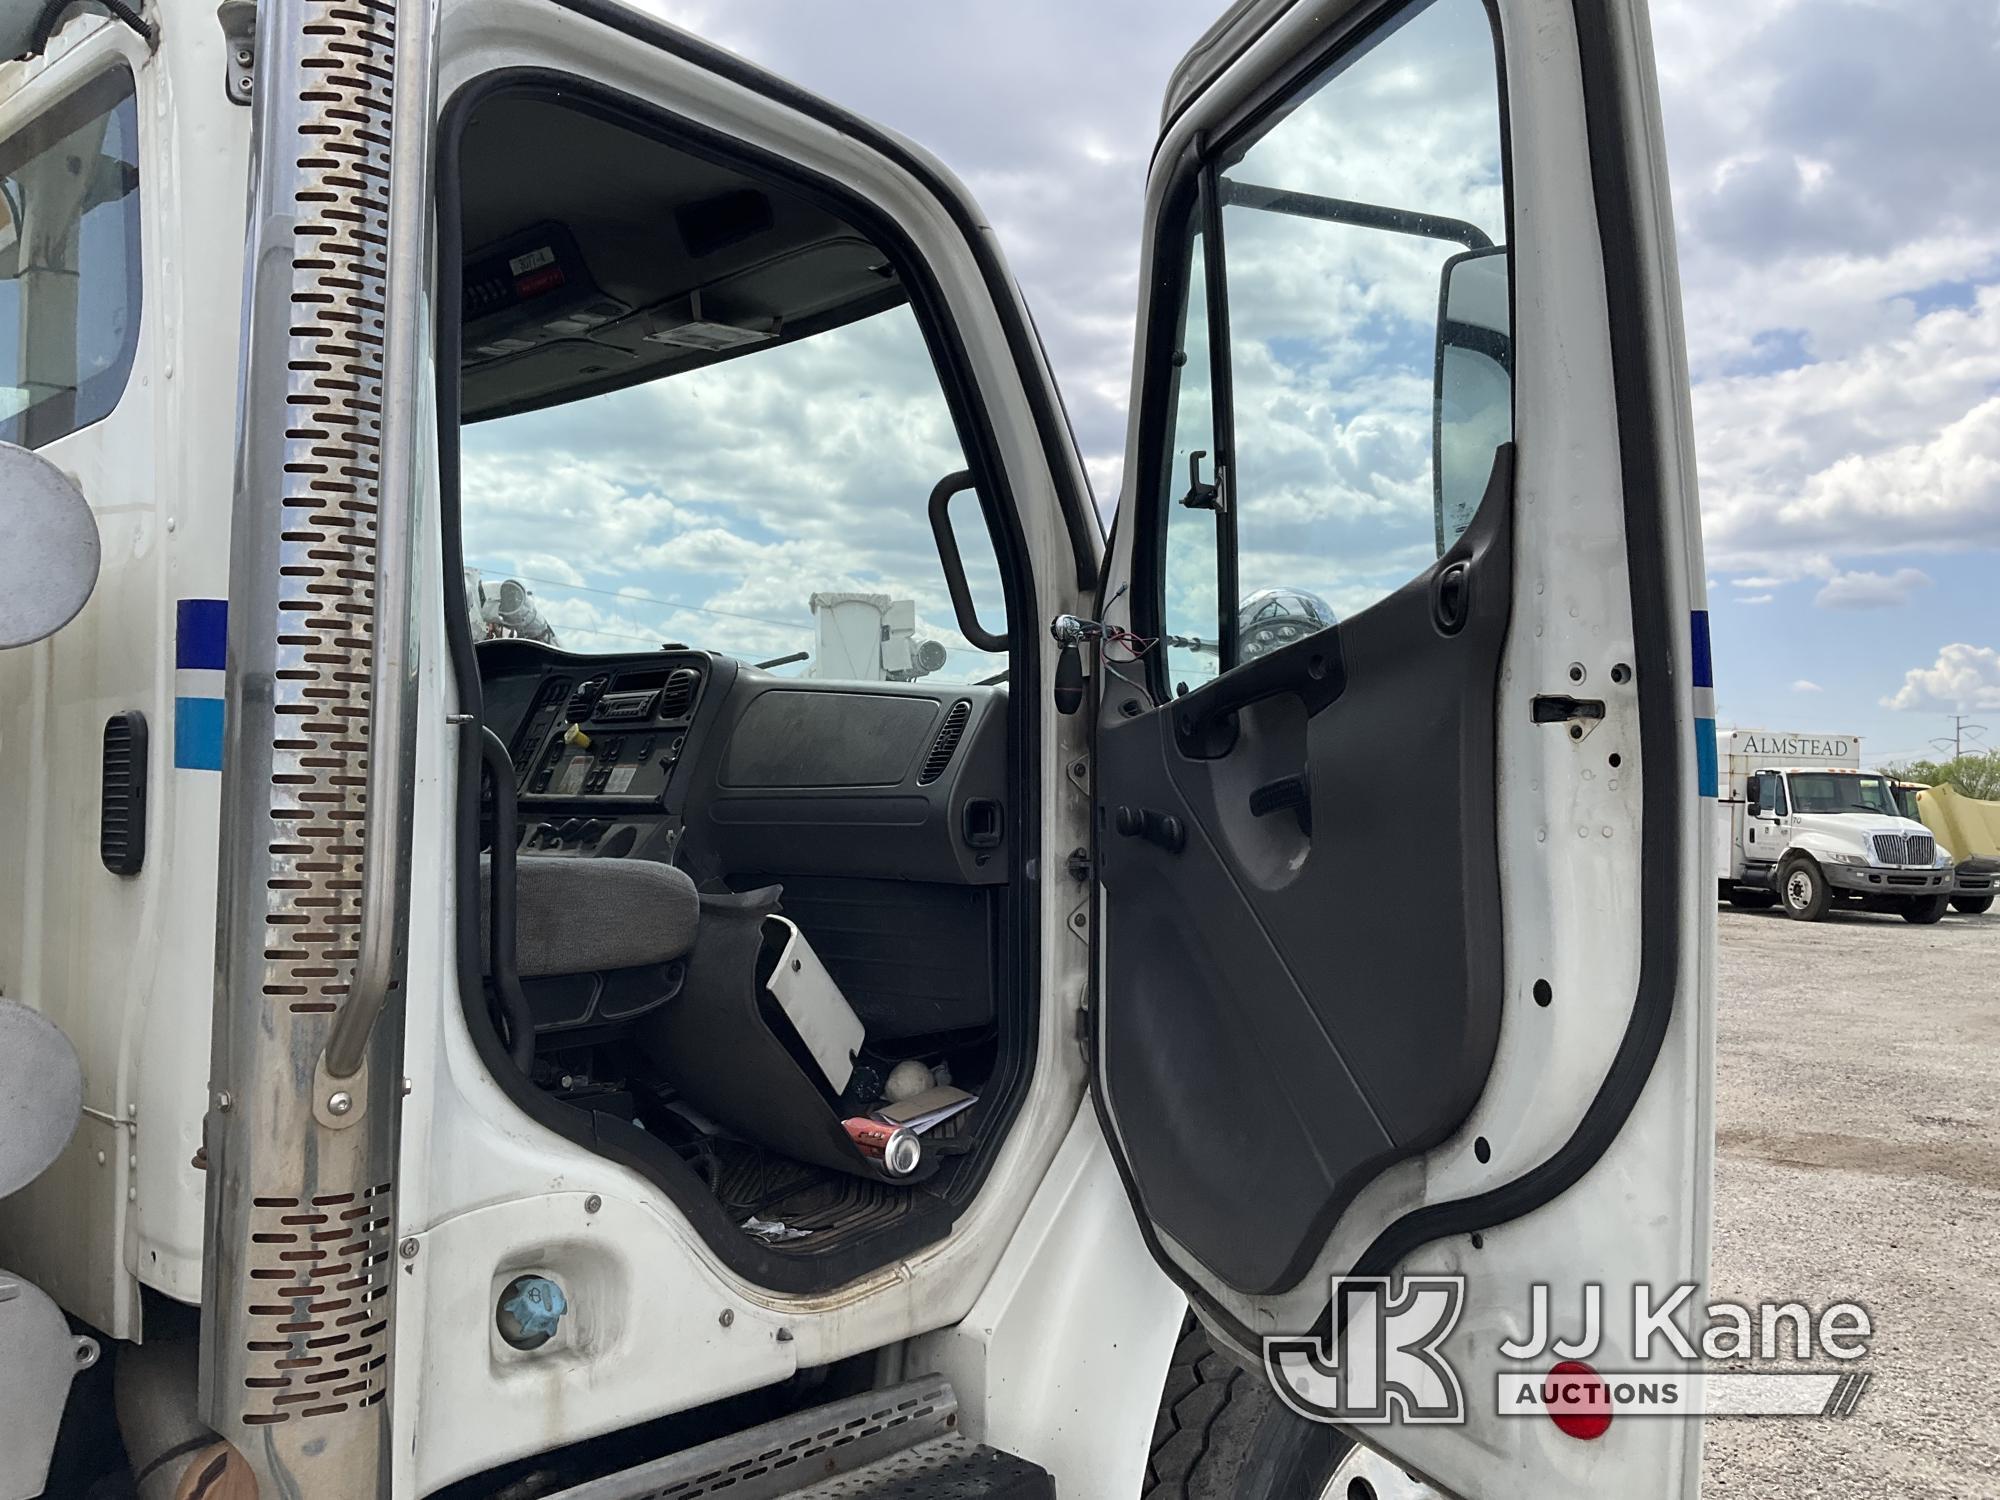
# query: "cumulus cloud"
[1963,679]
[1871,590]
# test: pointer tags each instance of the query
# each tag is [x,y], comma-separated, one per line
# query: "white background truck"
[394,1102]
[1800,824]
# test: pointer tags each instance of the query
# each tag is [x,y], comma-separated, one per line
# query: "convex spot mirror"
[48,548]
[1473,403]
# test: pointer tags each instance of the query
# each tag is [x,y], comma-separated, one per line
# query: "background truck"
[1800,825]
[1967,830]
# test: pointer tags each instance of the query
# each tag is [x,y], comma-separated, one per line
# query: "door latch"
[1581,714]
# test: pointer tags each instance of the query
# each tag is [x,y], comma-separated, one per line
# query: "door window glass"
[1191,579]
[1369,357]
[69,262]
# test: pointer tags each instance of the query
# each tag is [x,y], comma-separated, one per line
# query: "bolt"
[408,1249]
[592,1204]
[1077,920]
[339,1102]
[727,1316]
[1076,768]
[243,56]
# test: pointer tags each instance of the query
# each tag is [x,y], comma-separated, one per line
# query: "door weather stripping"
[904,1440]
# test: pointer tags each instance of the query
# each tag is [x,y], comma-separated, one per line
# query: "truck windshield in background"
[1837,792]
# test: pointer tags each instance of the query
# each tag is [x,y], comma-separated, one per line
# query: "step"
[899,1443]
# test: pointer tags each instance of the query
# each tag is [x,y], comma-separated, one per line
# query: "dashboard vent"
[949,734]
[584,699]
[677,697]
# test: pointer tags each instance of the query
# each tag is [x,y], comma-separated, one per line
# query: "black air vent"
[121,825]
[677,697]
[948,735]
[584,699]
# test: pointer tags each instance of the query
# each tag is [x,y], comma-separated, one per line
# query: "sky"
[1837,201]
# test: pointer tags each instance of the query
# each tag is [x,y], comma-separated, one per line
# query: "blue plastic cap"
[537,1305]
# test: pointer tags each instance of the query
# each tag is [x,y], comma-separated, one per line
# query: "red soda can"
[897,1147]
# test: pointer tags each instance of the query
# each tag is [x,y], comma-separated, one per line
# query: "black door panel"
[1308,988]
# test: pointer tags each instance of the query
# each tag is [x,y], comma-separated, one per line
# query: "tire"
[1750,898]
[1924,910]
[1802,890]
[1223,1435]
[1972,906]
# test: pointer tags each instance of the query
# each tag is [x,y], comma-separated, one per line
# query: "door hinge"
[239,52]
[1079,865]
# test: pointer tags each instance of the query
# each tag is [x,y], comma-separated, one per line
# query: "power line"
[1960,728]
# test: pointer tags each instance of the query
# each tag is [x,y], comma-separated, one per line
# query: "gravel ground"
[1858,1157]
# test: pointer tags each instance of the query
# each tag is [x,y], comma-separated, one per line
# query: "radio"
[615,708]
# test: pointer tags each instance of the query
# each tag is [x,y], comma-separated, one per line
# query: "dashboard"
[700,760]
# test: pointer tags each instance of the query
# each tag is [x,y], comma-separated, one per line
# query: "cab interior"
[641,819]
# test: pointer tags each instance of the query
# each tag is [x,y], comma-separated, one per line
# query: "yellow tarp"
[1969,828]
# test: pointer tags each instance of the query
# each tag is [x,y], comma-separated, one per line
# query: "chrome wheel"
[1799,890]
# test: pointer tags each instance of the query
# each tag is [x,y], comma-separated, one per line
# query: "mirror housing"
[1472,405]
[48,562]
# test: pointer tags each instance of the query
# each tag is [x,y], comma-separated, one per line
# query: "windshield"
[1841,792]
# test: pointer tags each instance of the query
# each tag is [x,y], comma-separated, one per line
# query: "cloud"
[1871,590]
[1804,685]
[1757,599]
[1962,679]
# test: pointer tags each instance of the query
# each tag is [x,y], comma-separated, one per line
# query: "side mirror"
[1472,409]
[48,548]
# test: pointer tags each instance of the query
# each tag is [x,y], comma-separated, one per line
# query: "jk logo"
[1383,1364]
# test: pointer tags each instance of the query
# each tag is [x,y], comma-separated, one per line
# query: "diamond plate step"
[901,1443]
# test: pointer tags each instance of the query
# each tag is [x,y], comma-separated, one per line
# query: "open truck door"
[1404,955]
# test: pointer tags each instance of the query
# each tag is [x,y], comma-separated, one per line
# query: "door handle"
[1451,598]
[1311,669]
[1294,792]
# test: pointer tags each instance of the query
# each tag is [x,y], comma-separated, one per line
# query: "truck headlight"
[1845,857]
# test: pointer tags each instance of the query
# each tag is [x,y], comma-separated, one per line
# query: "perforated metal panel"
[296,1335]
[782,1458]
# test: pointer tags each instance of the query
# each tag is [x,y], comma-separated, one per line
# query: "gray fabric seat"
[592,916]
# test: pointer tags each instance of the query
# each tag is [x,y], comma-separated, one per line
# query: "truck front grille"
[1890,849]
[1922,849]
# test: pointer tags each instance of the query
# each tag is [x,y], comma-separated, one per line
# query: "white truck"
[419,1065]
[1801,826]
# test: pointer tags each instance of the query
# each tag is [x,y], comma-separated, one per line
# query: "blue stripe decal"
[198,734]
[1704,661]
[1704,757]
[201,632]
